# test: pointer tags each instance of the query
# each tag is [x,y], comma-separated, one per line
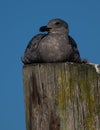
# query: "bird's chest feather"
[54,44]
[54,48]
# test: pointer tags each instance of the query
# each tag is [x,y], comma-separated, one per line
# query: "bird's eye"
[57,23]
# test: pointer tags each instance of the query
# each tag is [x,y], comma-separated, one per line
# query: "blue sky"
[19,22]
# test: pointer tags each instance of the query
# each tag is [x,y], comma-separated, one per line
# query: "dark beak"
[44,29]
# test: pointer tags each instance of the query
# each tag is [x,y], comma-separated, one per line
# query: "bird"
[53,44]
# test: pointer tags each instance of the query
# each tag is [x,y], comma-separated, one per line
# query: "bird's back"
[75,56]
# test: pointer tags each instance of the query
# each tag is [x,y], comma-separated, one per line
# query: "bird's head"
[55,26]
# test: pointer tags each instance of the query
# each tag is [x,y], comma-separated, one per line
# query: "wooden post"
[61,96]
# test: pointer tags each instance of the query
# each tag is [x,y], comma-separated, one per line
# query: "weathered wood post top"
[61,96]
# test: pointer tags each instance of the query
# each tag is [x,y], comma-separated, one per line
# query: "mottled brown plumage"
[55,46]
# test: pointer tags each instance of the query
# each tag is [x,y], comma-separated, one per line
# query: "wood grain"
[61,96]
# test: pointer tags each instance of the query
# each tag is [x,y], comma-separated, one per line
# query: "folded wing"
[75,56]
[31,53]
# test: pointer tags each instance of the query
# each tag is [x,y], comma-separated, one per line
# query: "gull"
[53,44]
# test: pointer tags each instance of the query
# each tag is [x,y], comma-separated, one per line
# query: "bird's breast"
[54,48]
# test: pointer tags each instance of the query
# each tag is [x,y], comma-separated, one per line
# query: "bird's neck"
[59,33]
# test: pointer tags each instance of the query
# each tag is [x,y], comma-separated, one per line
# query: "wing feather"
[31,53]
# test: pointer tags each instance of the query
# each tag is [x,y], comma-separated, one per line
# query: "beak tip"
[44,29]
